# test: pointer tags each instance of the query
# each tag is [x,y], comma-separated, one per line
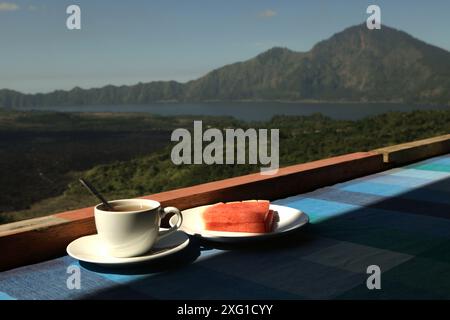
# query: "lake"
[254,111]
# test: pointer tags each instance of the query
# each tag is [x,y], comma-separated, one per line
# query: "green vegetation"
[133,162]
[356,64]
[39,151]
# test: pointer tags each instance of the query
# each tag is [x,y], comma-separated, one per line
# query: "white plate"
[90,249]
[288,220]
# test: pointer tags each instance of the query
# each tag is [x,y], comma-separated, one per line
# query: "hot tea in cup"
[132,227]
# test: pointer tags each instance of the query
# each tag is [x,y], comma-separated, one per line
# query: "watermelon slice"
[270,221]
[247,216]
[237,212]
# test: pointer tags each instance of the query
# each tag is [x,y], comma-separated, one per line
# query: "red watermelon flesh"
[247,216]
[237,227]
[237,212]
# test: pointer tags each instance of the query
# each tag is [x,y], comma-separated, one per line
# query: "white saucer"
[90,249]
[288,220]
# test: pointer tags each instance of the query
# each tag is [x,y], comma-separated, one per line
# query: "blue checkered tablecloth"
[398,220]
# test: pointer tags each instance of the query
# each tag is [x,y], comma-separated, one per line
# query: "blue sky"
[124,42]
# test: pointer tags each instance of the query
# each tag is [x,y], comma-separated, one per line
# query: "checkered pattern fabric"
[398,220]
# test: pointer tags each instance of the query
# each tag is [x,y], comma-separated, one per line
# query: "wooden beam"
[414,151]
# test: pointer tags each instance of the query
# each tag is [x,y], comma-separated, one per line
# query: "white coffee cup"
[133,227]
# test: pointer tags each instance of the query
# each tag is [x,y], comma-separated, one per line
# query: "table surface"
[398,220]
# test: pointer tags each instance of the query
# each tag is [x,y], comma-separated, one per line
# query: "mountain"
[356,64]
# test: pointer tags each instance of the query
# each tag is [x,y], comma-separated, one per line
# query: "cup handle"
[166,211]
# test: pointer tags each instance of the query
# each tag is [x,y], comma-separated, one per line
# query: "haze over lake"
[253,111]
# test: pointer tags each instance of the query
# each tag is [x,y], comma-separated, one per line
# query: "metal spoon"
[94,191]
